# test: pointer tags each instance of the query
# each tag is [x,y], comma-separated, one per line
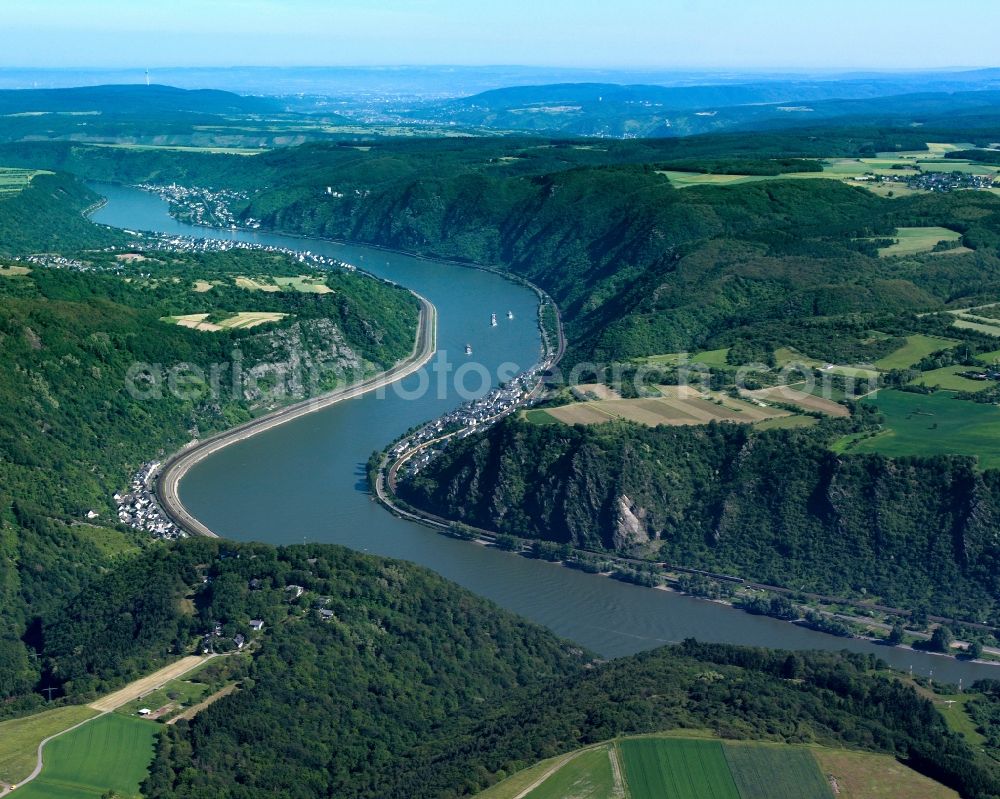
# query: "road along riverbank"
[168,481]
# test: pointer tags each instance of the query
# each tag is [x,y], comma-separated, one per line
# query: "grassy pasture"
[177,695]
[186,149]
[12,180]
[785,356]
[948,377]
[933,424]
[914,240]
[14,271]
[19,738]
[763,771]
[957,165]
[304,284]
[519,782]
[963,321]
[917,348]
[109,753]
[861,775]
[587,776]
[786,423]
[201,286]
[539,416]
[712,358]
[674,768]
[989,358]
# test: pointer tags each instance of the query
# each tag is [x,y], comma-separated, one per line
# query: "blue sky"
[756,34]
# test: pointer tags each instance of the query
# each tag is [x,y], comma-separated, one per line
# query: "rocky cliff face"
[776,507]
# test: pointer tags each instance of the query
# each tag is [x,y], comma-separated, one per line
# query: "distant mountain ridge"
[131,99]
[643,110]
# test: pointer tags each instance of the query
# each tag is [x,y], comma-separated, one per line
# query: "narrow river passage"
[304,481]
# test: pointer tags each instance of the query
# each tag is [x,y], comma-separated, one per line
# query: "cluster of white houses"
[139,509]
[468,418]
[203,206]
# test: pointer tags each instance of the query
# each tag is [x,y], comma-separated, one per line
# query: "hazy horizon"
[714,35]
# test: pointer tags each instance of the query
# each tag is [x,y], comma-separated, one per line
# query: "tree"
[975,650]
[941,639]
[896,635]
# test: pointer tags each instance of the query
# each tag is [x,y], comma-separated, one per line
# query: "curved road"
[168,482]
[112,702]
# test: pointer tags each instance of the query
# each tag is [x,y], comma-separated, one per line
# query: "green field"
[785,355]
[674,768]
[933,424]
[679,765]
[787,423]
[186,148]
[539,416]
[109,753]
[304,284]
[177,695]
[917,348]
[913,240]
[711,358]
[13,180]
[586,776]
[763,771]
[948,378]
[19,738]
[989,328]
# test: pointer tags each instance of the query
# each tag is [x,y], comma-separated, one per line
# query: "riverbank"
[167,487]
[671,578]
[300,482]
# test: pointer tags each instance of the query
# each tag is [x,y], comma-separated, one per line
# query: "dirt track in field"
[151,682]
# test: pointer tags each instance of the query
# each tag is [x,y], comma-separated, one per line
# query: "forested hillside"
[46,216]
[71,433]
[390,681]
[778,507]
[637,266]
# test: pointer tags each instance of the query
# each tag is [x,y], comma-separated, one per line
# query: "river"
[304,481]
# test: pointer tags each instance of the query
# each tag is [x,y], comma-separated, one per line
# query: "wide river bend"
[304,480]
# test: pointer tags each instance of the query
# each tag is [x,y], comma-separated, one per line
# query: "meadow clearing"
[932,424]
[304,284]
[177,148]
[110,753]
[240,321]
[12,180]
[917,348]
[855,170]
[19,738]
[950,379]
[861,775]
[914,240]
[589,775]
[711,358]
